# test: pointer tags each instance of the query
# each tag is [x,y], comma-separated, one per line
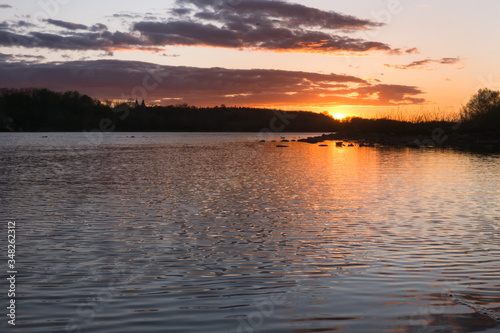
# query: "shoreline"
[482,142]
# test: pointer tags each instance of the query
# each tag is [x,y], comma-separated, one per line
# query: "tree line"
[42,110]
[34,110]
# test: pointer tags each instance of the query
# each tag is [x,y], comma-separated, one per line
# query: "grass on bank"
[423,116]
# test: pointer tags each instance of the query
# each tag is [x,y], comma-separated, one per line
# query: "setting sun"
[339,116]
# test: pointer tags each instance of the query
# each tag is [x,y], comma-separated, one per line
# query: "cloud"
[22,24]
[261,25]
[16,58]
[114,79]
[5,6]
[16,25]
[413,50]
[284,14]
[424,64]
[260,38]
[170,55]
[5,57]
[449,61]
[93,40]
[67,25]
[30,57]
[389,94]
[98,27]
[127,15]
[25,58]
[264,25]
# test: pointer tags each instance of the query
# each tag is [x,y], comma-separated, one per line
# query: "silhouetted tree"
[482,112]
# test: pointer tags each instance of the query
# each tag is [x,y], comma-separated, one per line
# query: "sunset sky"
[359,58]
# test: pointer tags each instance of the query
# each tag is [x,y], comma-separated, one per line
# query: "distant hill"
[43,110]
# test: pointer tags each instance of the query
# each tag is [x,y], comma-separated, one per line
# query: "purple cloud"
[424,64]
[93,40]
[5,57]
[113,79]
[67,25]
[261,25]
[265,25]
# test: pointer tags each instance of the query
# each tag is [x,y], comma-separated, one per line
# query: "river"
[180,232]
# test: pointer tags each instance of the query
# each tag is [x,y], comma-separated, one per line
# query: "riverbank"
[487,141]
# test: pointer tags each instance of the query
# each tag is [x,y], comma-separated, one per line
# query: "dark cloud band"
[265,25]
[260,25]
[112,79]
[67,25]
[423,64]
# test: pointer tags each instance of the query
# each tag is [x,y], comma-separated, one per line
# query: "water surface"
[221,233]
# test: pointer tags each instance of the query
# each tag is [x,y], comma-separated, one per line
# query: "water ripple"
[222,235]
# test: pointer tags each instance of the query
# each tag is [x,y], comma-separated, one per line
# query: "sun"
[339,116]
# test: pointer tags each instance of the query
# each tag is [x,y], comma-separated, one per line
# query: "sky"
[355,57]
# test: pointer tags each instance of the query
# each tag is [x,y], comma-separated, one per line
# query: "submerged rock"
[413,145]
